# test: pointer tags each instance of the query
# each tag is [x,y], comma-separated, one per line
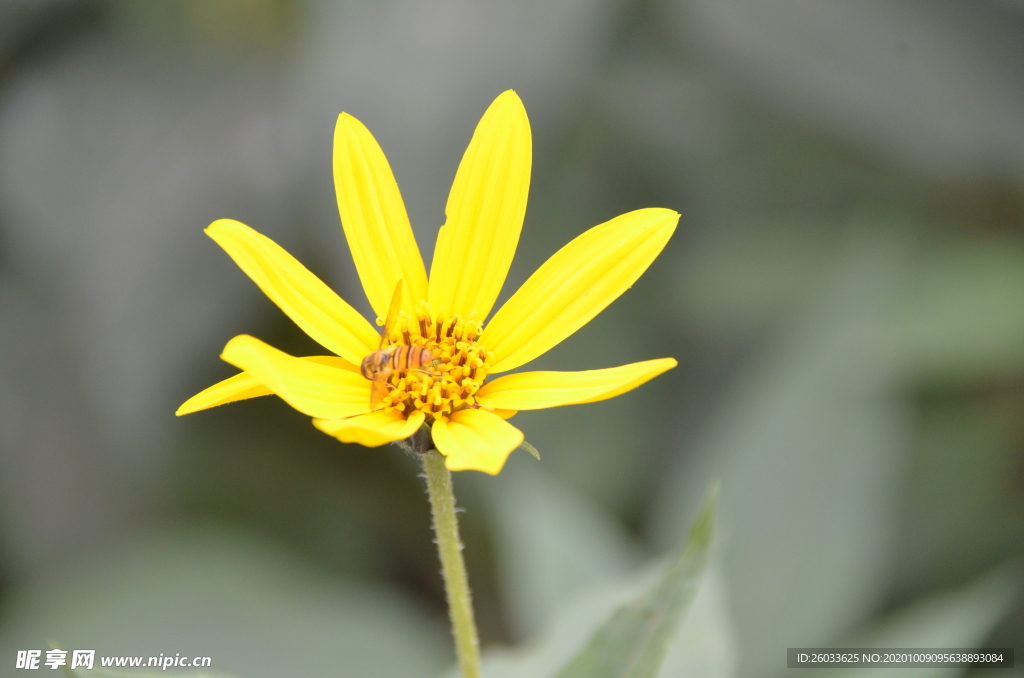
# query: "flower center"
[455,371]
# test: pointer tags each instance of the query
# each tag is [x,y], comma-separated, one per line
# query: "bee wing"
[431,366]
[396,303]
[378,390]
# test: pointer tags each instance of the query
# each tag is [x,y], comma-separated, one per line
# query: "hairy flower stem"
[449,547]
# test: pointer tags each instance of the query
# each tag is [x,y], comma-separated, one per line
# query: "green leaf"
[566,565]
[553,546]
[634,642]
[706,645]
[809,447]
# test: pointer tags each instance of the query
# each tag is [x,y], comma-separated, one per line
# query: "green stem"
[449,547]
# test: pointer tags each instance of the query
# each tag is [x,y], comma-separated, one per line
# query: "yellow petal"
[374,218]
[332,361]
[239,387]
[475,440]
[537,390]
[312,388]
[373,429]
[244,386]
[484,213]
[314,307]
[574,285]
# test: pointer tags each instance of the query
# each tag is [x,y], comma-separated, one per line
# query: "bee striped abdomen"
[409,358]
[382,363]
[399,358]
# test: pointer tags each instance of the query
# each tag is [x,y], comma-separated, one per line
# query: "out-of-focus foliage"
[962,618]
[567,617]
[219,594]
[635,639]
[845,296]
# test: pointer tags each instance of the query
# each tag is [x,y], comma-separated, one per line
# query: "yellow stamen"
[449,382]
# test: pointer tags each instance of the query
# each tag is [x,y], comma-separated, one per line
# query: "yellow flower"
[466,413]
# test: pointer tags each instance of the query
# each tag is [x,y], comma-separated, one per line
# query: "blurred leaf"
[808,448]
[255,610]
[569,630]
[566,566]
[961,618]
[706,646]
[634,642]
[962,314]
[552,544]
[735,279]
[961,507]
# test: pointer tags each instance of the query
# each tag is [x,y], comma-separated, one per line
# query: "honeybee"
[385,361]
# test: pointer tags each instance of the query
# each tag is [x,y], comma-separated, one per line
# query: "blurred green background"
[844,294]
